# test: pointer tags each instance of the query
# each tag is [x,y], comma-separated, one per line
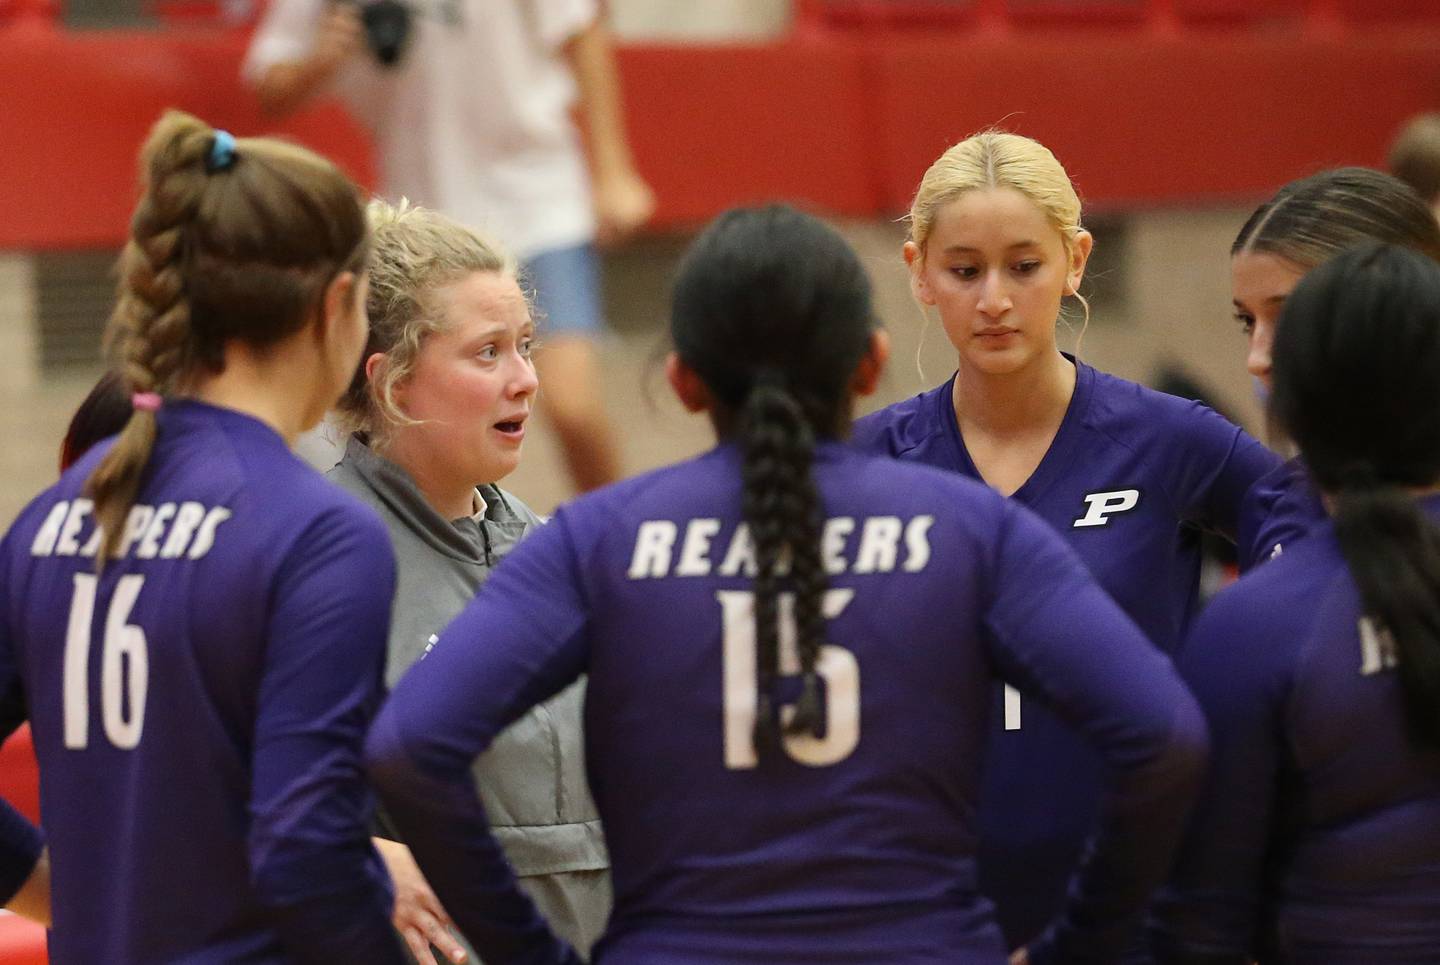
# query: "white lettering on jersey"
[124,666]
[652,549]
[92,545]
[205,538]
[1101,506]
[187,518]
[1377,648]
[135,526]
[694,556]
[166,531]
[837,668]
[1012,708]
[741,554]
[1279,550]
[75,686]
[832,543]
[150,542]
[917,543]
[68,544]
[879,545]
[44,542]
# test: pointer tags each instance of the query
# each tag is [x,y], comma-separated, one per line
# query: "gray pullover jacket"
[532,779]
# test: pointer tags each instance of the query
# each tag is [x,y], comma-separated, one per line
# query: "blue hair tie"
[222,152]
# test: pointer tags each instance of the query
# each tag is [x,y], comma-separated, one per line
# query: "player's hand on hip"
[419,917]
[623,203]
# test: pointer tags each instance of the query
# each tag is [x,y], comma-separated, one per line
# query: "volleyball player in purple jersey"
[1307,222]
[24,865]
[1317,838]
[194,621]
[1128,476]
[790,648]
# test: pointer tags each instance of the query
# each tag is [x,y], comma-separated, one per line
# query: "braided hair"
[772,310]
[229,241]
[1374,313]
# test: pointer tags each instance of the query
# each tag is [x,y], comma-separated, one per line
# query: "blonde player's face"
[1260,283]
[473,382]
[996,269]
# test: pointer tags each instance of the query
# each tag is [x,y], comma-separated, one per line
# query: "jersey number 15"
[835,665]
[122,694]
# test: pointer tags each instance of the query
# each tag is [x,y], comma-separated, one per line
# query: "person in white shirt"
[473,119]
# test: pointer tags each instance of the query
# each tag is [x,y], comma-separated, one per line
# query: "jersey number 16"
[122,694]
[836,667]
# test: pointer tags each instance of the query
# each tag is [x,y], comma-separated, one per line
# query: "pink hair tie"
[146,401]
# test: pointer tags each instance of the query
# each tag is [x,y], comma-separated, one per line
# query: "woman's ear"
[337,303]
[375,367]
[376,364]
[688,387]
[919,286]
[872,364]
[1079,254]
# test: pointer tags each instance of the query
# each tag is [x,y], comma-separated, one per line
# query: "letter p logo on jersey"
[1101,506]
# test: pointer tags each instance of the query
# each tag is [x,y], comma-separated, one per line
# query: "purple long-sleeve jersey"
[198,708]
[855,847]
[1279,510]
[1317,837]
[1131,479]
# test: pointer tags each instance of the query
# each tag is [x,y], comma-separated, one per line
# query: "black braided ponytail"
[782,509]
[1356,353]
[772,310]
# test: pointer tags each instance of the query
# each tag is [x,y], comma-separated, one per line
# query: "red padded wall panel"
[1190,119]
[1239,11]
[1380,11]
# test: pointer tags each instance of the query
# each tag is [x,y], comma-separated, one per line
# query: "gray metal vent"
[74,292]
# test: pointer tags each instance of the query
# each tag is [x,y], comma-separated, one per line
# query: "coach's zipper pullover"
[532,780]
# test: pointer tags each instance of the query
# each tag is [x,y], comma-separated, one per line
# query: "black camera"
[387,28]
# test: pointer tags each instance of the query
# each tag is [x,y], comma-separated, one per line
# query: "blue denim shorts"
[566,289]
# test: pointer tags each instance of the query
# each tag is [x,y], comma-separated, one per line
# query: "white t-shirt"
[474,121]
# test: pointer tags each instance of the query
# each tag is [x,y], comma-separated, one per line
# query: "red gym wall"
[1147,102]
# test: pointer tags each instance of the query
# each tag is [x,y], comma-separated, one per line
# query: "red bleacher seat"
[20,776]
[22,942]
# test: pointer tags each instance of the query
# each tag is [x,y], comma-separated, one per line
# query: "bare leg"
[571,398]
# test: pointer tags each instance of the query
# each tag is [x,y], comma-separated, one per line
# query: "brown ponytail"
[223,245]
[150,325]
